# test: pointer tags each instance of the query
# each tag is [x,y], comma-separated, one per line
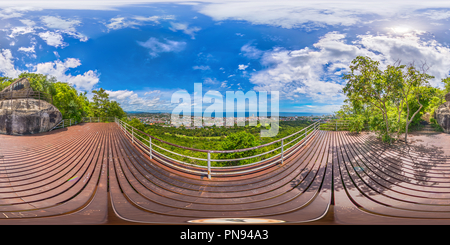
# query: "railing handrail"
[18,94]
[70,120]
[129,131]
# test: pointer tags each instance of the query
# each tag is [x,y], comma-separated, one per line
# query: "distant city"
[164,118]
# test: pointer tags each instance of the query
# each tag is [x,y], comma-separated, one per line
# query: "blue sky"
[142,52]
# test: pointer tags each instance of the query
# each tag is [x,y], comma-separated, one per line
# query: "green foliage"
[446,82]
[435,125]
[114,110]
[40,82]
[356,123]
[5,82]
[137,124]
[101,106]
[239,140]
[70,103]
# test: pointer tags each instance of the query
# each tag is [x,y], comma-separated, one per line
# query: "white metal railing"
[98,119]
[65,123]
[137,137]
[335,125]
[338,125]
[69,122]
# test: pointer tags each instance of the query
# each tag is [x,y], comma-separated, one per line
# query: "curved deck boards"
[62,177]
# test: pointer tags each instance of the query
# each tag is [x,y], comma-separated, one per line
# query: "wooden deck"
[93,174]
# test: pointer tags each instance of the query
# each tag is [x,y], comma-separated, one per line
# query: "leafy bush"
[356,123]
[239,140]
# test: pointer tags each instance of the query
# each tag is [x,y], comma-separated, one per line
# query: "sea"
[248,114]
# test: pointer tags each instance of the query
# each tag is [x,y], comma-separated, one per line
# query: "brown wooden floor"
[92,174]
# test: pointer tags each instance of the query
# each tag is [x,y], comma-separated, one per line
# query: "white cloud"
[154,18]
[286,14]
[132,101]
[208,80]
[316,73]
[157,47]
[52,38]
[242,67]
[122,22]
[203,68]
[76,35]
[59,69]
[28,22]
[251,52]
[7,64]
[184,27]
[60,24]
[119,23]
[27,50]
[409,48]
[311,14]
[63,26]
[437,14]
[152,92]
[20,30]
[16,12]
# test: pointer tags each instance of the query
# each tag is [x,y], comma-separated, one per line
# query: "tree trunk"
[399,110]
[406,133]
[387,123]
[408,122]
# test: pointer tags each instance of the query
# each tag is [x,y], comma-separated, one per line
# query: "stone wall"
[27,116]
[442,114]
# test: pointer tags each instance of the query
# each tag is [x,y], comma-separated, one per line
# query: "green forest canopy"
[70,103]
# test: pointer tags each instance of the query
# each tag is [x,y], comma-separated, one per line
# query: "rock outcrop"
[27,116]
[442,114]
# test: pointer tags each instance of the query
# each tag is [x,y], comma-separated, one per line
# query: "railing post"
[63,123]
[90,119]
[150,147]
[132,134]
[70,122]
[336,125]
[282,151]
[209,165]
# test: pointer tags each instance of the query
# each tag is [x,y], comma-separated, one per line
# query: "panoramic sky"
[142,52]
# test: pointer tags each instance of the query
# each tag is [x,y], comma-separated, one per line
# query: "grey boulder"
[27,116]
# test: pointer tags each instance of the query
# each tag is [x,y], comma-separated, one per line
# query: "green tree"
[414,85]
[5,82]
[239,140]
[100,103]
[101,106]
[446,82]
[368,84]
[114,110]
[40,82]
